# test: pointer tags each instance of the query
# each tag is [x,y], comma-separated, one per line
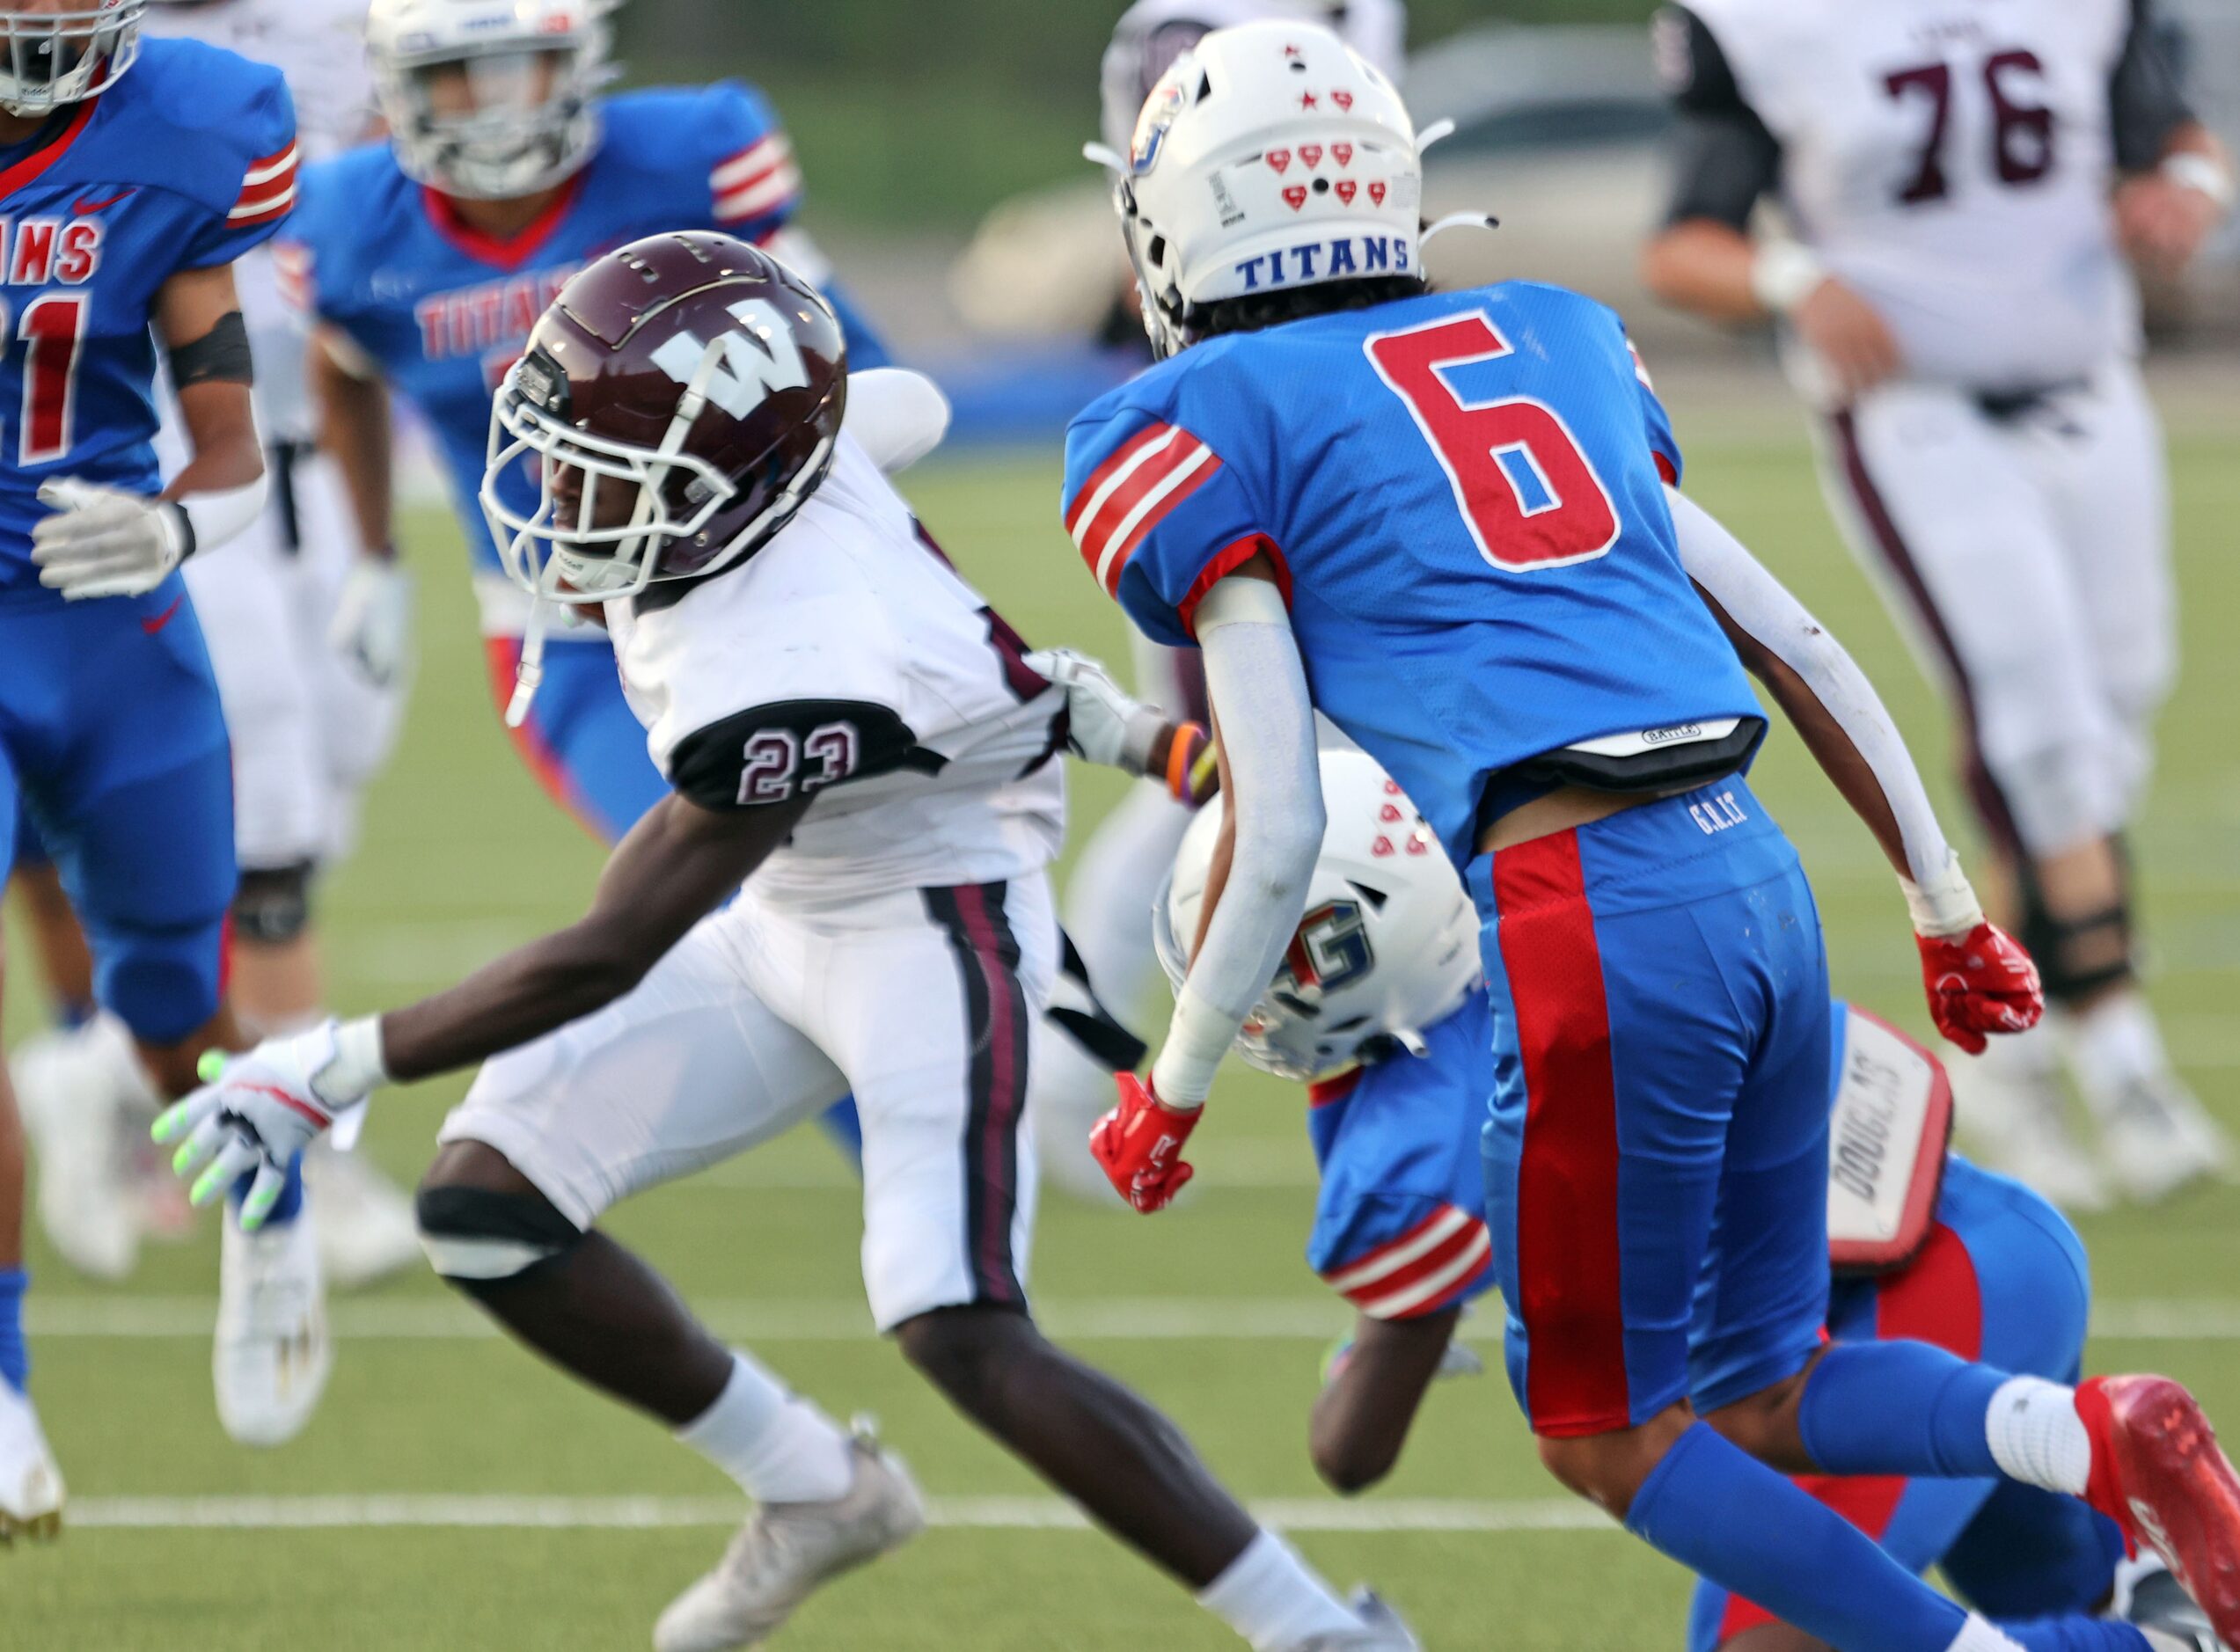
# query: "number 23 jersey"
[1463,495]
[847,662]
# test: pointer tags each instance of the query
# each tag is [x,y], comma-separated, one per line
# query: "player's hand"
[1979,982]
[1851,341]
[373,621]
[2163,224]
[105,542]
[1107,724]
[1139,1144]
[254,1113]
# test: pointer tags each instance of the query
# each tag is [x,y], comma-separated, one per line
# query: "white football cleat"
[1381,1630]
[31,1486]
[272,1355]
[80,1092]
[789,1548]
[363,1220]
[2016,1121]
[2158,1138]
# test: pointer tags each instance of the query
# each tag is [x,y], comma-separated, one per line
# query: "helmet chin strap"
[528,675]
[1459,220]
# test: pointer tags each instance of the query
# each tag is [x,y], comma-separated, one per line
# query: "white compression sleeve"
[221,515]
[1760,605]
[1258,688]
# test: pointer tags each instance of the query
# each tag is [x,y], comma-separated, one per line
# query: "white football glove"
[1108,725]
[373,621]
[256,1112]
[105,542]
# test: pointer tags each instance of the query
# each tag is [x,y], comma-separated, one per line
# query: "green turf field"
[454,1494]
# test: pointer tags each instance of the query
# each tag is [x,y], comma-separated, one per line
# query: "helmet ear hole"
[1157,249]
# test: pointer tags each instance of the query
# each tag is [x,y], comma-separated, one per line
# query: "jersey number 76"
[1528,493]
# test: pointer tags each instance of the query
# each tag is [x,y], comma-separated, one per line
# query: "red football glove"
[1982,983]
[1139,1144]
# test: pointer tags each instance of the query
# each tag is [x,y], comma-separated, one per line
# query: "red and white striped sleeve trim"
[291,271]
[757,181]
[1131,492]
[267,191]
[1425,1270]
[1640,366]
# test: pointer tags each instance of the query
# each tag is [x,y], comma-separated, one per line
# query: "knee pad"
[163,985]
[2078,957]
[273,906]
[475,1238]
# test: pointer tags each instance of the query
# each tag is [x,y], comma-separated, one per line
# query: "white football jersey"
[847,657]
[1153,34]
[1953,160]
[319,46]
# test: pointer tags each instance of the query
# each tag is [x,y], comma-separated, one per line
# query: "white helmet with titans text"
[1269,157]
[1389,943]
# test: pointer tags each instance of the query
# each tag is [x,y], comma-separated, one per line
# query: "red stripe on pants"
[1006,1093]
[1568,1258]
[1937,1299]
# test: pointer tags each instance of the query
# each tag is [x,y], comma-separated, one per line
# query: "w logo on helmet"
[743,370]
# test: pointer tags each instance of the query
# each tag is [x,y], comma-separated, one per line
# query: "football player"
[132,175]
[1458,514]
[883,782]
[1964,187]
[1378,1008]
[307,732]
[1133,846]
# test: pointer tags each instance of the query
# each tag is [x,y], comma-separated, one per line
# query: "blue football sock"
[843,1126]
[289,1206]
[15,1353]
[1900,1408]
[1722,1513]
[72,1013]
[2076,1634]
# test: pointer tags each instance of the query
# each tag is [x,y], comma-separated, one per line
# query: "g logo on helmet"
[1151,127]
[1330,950]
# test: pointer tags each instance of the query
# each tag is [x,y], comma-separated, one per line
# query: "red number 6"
[1530,497]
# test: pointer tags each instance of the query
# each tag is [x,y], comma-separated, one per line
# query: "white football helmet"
[490,100]
[1269,157]
[1389,943]
[57,58]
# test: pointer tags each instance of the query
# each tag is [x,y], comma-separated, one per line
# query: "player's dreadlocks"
[1255,312]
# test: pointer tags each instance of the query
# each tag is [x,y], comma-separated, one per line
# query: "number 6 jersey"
[1950,159]
[847,661]
[1463,495]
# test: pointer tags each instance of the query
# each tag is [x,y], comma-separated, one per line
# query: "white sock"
[777,1445]
[2116,1044]
[1981,1635]
[1273,1598]
[2037,1437]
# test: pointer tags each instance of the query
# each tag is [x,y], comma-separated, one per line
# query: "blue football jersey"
[185,164]
[1400,1228]
[445,309]
[1464,495]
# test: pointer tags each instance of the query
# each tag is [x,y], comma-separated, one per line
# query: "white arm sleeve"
[1258,688]
[1937,891]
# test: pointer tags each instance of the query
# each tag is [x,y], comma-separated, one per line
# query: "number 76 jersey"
[1463,497]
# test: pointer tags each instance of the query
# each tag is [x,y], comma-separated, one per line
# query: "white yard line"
[1146,1319]
[646,1513]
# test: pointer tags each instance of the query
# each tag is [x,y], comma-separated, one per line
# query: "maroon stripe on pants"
[1982,786]
[997,1025]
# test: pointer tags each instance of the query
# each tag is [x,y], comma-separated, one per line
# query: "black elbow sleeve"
[220,356]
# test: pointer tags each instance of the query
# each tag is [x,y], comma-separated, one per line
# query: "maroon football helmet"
[678,402]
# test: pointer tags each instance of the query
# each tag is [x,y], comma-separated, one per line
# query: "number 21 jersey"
[1463,494]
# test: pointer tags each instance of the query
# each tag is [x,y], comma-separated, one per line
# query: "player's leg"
[931,1000]
[2099,454]
[1941,508]
[688,1070]
[65,965]
[31,1486]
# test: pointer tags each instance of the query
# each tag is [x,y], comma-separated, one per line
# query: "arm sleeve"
[778,753]
[1157,517]
[1758,603]
[1723,157]
[754,185]
[264,192]
[2146,100]
[1258,687]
